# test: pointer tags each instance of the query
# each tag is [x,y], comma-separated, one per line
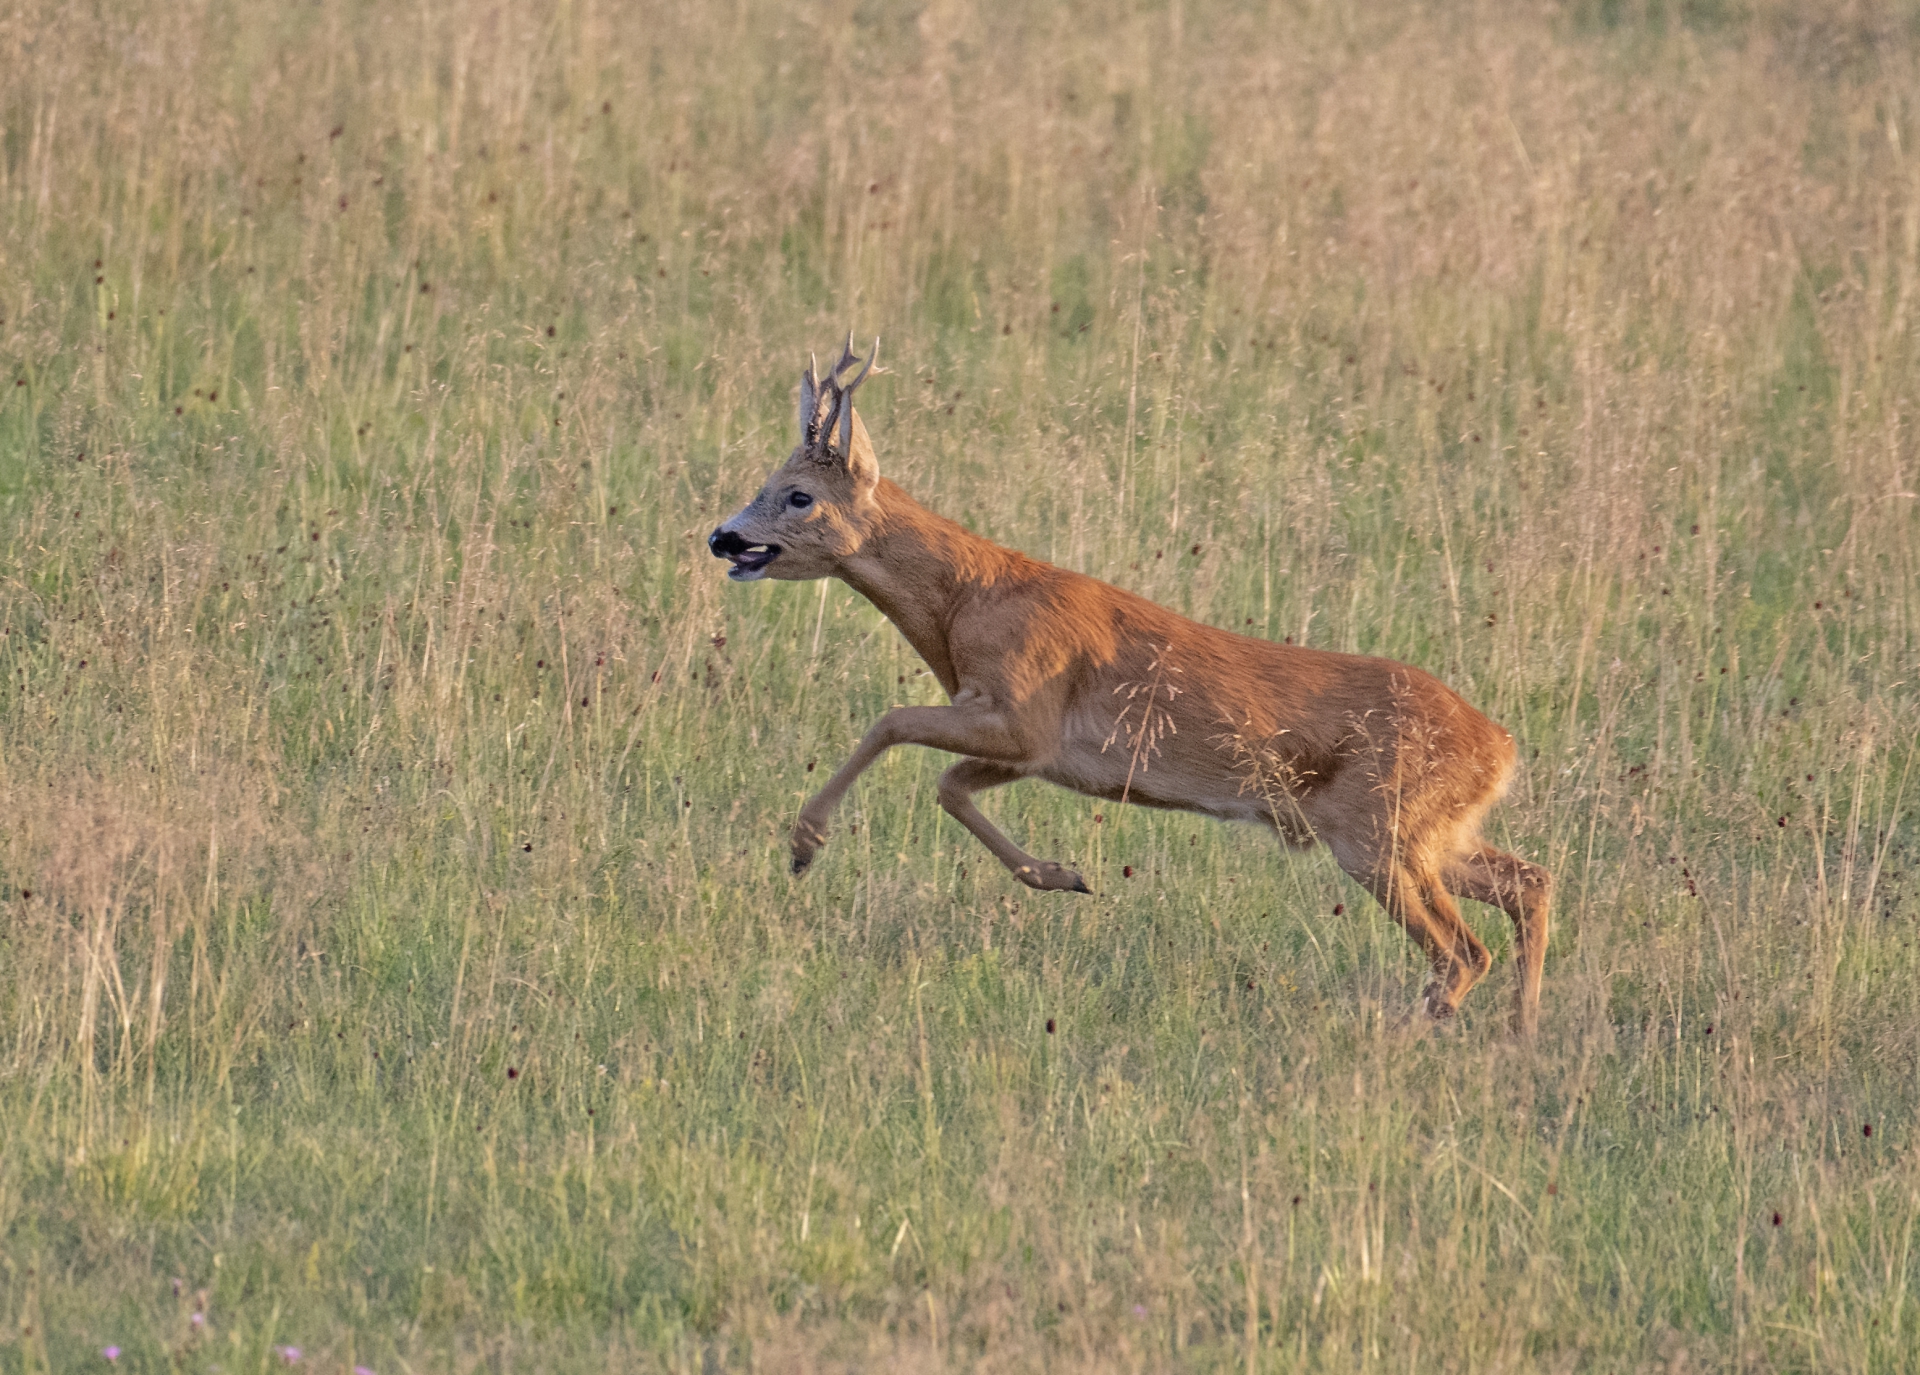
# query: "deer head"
[816,508]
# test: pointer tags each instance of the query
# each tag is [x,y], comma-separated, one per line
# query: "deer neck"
[918,568]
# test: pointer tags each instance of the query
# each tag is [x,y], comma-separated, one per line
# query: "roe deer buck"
[1054,675]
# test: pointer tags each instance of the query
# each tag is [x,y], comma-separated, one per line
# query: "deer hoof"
[1049,877]
[807,840]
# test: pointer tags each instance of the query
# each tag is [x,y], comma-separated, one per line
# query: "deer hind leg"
[1415,898]
[1525,893]
[957,787]
[1458,958]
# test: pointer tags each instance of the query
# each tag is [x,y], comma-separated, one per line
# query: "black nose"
[725,544]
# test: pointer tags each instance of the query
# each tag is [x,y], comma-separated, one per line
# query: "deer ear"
[862,466]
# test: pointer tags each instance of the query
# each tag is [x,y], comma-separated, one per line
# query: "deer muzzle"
[749,560]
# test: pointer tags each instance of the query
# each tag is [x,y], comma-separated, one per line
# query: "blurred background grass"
[398,960]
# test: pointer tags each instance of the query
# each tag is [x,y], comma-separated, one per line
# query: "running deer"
[1051,674]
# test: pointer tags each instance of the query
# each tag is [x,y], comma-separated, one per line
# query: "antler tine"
[810,401]
[847,359]
[844,397]
[866,367]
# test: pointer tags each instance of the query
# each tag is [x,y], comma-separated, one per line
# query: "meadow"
[398,961]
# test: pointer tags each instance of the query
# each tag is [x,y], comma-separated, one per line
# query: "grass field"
[397,956]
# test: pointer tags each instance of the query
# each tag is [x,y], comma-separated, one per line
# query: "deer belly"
[1161,783]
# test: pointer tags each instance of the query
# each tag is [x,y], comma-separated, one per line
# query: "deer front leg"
[969,727]
[957,787]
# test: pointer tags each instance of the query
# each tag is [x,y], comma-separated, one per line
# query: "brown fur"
[1055,675]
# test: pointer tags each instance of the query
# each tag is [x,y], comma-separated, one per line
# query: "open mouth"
[750,562]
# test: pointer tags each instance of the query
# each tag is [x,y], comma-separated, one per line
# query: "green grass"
[398,960]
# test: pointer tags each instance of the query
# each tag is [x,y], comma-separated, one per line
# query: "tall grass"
[398,960]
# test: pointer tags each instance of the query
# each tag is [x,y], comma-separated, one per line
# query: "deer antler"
[839,407]
[810,400]
[847,356]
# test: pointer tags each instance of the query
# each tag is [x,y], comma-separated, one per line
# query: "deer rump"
[1052,674]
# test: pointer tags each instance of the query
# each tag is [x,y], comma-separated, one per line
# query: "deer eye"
[800,501]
